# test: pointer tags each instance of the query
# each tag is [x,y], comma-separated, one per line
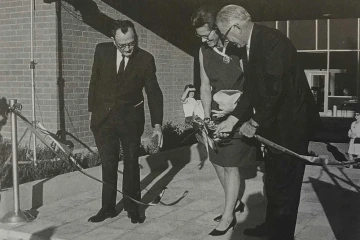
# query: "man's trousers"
[283,180]
[127,130]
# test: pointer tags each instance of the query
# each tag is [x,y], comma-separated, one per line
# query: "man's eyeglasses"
[227,32]
[123,46]
[206,37]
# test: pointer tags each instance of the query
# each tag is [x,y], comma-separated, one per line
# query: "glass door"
[319,85]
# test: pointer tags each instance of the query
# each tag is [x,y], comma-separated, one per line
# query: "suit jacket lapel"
[112,64]
[129,66]
[254,46]
[131,63]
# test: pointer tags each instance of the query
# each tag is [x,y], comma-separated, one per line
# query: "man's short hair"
[230,14]
[205,15]
[124,26]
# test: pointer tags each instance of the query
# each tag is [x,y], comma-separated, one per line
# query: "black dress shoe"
[258,231]
[135,217]
[102,215]
[239,208]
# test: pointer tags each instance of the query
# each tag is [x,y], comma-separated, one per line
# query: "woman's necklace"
[226,58]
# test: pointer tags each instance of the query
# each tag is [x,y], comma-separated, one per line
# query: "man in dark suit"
[285,112]
[120,72]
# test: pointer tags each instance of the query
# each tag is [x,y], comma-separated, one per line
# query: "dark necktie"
[244,57]
[121,66]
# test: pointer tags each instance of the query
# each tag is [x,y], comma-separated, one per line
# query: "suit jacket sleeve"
[242,107]
[93,81]
[154,94]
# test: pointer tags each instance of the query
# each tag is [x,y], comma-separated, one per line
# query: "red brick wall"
[15,74]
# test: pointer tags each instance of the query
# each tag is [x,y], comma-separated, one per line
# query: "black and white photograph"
[179,119]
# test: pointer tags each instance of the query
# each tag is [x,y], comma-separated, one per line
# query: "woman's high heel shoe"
[216,232]
[239,208]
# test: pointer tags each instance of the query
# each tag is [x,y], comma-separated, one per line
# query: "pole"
[32,67]
[17,216]
[60,80]
[14,159]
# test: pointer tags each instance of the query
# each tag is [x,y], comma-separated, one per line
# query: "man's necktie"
[121,66]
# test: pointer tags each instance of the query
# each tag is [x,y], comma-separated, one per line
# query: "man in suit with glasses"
[285,112]
[120,72]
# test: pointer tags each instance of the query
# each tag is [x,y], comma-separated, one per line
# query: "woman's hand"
[185,94]
[219,113]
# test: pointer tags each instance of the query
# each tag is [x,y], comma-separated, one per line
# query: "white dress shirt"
[119,58]
[248,43]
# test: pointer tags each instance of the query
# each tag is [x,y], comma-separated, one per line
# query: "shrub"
[49,165]
[174,136]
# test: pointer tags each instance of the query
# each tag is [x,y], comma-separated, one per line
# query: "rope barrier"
[202,134]
[40,128]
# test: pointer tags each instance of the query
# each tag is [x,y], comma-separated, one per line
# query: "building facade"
[63,52]
[64,43]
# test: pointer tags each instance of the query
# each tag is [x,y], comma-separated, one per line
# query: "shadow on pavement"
[339,156]
[44,234]
[256,215]
[340,204]
[171,161]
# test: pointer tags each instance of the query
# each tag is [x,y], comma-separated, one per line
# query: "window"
[329,51]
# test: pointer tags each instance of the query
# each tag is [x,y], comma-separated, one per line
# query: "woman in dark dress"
[219,71]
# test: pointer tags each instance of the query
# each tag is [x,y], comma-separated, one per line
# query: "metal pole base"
[19,217]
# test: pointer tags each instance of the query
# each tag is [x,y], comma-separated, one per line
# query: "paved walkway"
[329,207]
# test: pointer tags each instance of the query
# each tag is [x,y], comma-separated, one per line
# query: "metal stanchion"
[16,216]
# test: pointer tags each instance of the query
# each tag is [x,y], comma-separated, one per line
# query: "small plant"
[177,136]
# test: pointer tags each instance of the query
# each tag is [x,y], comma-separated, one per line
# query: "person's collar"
[249,40]
[118,53]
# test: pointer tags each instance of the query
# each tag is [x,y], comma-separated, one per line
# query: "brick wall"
[15,74]
[174,67]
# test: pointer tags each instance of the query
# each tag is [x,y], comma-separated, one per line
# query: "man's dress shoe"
[102,215]
[258,231]
[136,217]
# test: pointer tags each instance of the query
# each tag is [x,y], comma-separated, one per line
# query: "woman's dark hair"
[124,26]
[188,86]
[205,15]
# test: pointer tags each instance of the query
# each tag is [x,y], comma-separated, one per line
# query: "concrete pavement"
[329,206]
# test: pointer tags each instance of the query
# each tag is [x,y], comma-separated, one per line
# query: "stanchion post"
[16,216]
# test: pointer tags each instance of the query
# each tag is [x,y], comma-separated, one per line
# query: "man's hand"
[158,133]
[226,126]
[248,128]
[219,113]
